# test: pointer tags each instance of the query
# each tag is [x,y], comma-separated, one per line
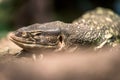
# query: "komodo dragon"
[97,28]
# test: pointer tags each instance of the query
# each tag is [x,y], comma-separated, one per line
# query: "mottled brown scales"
[103,26]
[95,28]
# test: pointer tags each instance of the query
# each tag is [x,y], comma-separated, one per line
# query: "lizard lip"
[20,42]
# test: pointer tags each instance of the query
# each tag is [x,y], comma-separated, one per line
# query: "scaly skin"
[95,28]
[49,35]
[101,26]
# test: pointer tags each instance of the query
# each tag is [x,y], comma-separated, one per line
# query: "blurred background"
[18,13]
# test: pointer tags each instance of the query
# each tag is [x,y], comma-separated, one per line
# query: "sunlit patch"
[107,36]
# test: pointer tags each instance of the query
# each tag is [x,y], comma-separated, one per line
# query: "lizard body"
[101,26]
[97,27]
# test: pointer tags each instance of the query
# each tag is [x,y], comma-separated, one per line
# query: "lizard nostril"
[18,34]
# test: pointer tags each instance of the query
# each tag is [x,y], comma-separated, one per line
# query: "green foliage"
[6,17]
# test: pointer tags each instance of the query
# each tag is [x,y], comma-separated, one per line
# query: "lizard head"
[38,36]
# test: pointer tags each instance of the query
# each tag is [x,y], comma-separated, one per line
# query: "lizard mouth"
[26,44]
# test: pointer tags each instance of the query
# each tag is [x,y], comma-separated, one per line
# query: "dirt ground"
[81,65]
[8,47]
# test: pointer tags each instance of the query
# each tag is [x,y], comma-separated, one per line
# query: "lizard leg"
[109,39]
[112,42]
[101,45]
[34,57]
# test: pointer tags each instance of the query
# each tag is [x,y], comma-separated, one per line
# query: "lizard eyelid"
[36,33]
